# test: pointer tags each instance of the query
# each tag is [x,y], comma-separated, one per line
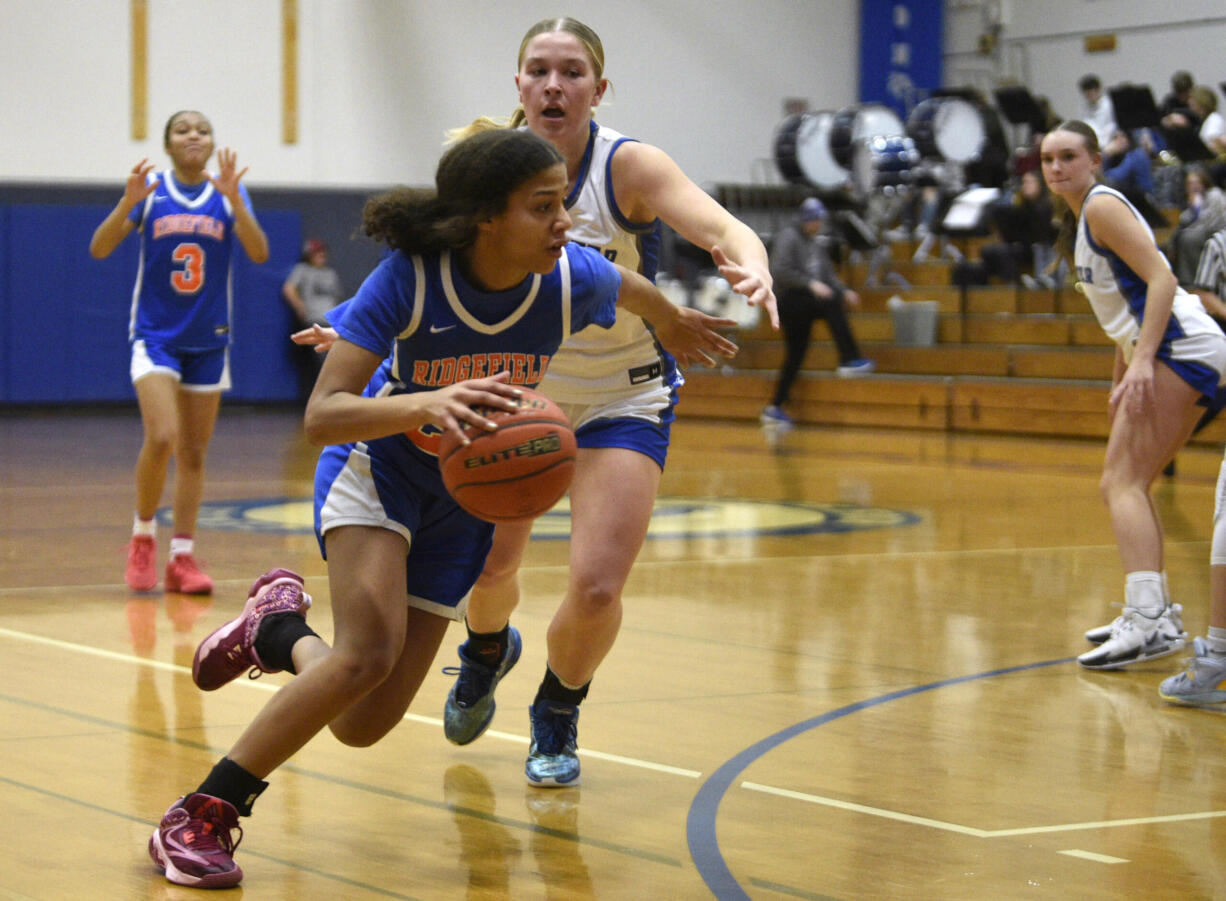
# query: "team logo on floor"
[673,517]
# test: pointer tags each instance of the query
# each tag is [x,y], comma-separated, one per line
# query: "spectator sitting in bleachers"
[1202,118]
[1177,100]
[1208,122]
[1099,113]
[1023,252]
[1127,167]
[1204,213]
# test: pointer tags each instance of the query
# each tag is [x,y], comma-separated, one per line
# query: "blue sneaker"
[1204,681]
[553,758]
[853,368]
[470,703]
[774,416]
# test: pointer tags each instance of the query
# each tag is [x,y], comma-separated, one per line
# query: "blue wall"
[65,315]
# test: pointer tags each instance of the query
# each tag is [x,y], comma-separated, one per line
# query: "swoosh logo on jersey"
[435,329]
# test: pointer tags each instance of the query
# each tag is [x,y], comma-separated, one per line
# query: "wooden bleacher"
[1007,360]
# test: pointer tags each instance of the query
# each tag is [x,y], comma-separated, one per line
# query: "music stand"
[1020,108]
[1134,107]
[1186,144]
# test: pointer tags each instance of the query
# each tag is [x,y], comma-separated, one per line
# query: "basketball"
[519,470]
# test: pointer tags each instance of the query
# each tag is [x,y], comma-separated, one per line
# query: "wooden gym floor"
[846,671]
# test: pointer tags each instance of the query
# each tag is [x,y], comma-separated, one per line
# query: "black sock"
[553,690]
[232,783]
[487,647]
[276,639]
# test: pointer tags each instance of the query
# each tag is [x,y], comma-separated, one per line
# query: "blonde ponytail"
[476,126]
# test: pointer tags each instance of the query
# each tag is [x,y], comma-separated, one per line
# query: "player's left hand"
[226,181]
[750,281]
[690,337]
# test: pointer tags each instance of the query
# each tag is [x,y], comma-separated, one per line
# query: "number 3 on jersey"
[189,279]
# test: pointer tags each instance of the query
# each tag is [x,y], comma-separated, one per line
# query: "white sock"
[143,526]
[1143,592]
[1216,641]
[180,545]
[1166,590]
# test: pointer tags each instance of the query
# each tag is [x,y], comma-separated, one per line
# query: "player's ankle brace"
[555,689]
[232,783]
[276,639]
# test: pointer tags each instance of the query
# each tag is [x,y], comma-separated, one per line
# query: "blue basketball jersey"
[434,329]
[182,295]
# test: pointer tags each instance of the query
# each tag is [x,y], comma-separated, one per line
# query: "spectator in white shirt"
[1100,114]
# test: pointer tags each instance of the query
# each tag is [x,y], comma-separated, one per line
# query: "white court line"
[660,767]
[871,811]
[272,688]
[1090,855]
[971,830]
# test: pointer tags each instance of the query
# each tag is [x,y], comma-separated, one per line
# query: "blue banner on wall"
[901,50]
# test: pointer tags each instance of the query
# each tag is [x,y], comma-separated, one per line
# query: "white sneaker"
[1135,638]
[1099,634]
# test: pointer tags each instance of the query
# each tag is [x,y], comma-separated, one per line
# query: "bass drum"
[802,151]
[948,128]
[853,124]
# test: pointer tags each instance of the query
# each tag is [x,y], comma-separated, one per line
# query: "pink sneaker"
[141,574]
[231,649]
[193,844]
[184,575]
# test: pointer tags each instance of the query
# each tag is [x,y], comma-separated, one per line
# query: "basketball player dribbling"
[617,387]
[477,294]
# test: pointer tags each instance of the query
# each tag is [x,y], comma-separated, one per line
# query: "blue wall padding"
[65,314]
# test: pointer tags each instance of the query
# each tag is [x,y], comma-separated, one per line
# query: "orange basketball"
[519,470]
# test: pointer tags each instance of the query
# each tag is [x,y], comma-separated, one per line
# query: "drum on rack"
[854,124]
[948,128]
[883,162]
[802,151]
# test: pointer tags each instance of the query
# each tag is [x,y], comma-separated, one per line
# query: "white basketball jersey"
[598,362]
[1117,294]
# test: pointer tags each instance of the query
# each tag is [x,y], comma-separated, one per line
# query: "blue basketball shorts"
[194,370]
[387,484]
[637,424]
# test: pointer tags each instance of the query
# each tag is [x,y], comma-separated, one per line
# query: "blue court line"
[700,824]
